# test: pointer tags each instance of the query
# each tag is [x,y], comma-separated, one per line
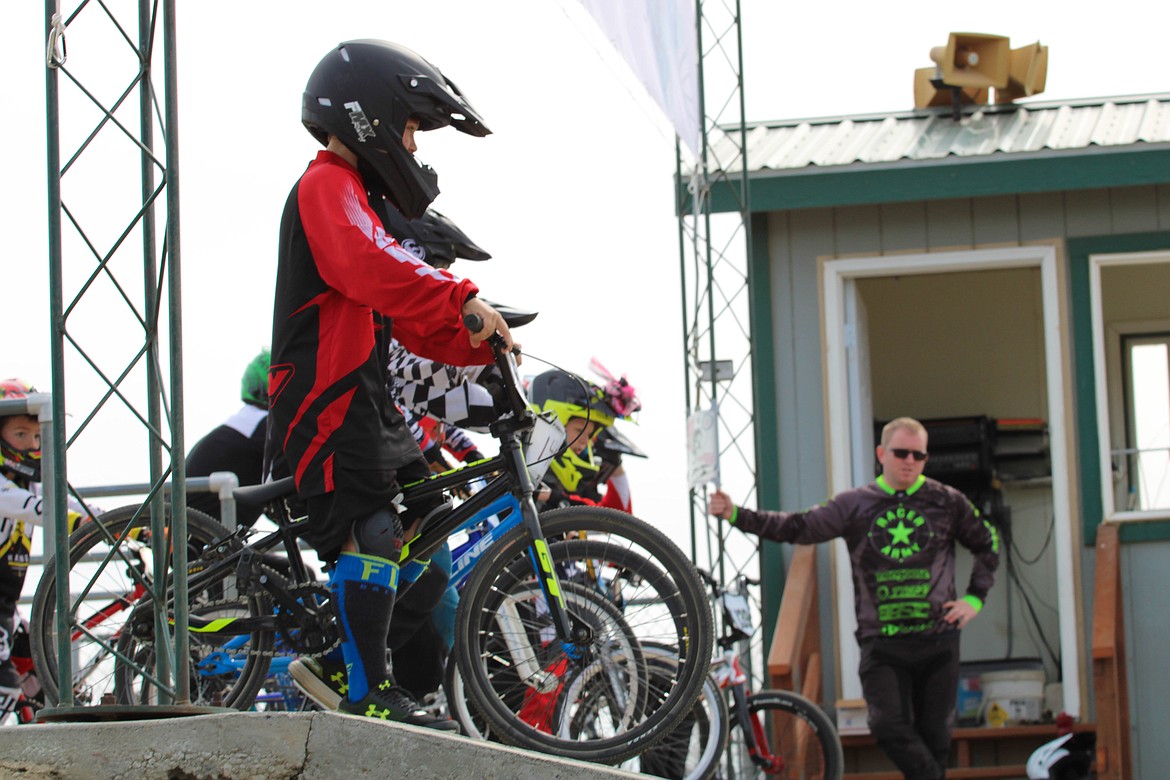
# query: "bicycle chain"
[307,594]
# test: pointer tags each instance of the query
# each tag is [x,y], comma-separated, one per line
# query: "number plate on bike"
[545,441]
[738,612]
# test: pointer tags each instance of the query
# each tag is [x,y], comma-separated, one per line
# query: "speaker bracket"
[956,97]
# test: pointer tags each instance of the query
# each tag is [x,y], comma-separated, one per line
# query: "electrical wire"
[1014,578]
[1043,547]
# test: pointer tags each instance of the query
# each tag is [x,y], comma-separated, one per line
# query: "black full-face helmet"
[363,92]
[432,238]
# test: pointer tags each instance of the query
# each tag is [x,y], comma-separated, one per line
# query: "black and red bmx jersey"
[341,281]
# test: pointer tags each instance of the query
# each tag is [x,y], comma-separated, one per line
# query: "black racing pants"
[356,495]
[910,686]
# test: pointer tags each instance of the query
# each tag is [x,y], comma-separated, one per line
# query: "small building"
[1005,277]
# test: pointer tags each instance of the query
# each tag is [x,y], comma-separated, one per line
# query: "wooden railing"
[794,659]
[1111,693]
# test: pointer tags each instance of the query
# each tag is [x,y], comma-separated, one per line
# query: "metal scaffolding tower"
[105,118]
[113,150]
[715,250]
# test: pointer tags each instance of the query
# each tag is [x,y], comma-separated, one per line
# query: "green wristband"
[734,514]
[974,601]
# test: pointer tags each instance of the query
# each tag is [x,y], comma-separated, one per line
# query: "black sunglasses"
[902,454]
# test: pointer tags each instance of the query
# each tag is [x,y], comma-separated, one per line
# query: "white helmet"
[1064,758]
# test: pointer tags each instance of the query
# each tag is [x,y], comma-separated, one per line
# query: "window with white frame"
[1145,461]
[1131,329]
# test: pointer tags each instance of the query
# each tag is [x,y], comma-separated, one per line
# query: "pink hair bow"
[619,393]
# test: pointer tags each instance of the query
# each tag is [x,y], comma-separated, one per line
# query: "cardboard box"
[851,716]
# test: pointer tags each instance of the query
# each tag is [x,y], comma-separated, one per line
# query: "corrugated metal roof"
[933,134]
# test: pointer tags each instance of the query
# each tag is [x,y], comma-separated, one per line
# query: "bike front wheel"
[600,700]
[604,618]
[794,739]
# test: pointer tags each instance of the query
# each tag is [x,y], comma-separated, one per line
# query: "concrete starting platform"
[263,746]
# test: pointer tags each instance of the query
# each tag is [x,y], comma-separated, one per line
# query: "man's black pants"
[910,686]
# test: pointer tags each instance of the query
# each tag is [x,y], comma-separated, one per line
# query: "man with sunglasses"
[901,532]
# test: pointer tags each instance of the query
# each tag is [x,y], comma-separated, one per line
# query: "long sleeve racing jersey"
[340,281]
[21,508]
[449,393]
[901,548]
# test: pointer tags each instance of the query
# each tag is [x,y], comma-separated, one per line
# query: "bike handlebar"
[716,586]
[505,361]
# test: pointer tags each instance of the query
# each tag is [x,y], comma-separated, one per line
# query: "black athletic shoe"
[392,702]
[325,682]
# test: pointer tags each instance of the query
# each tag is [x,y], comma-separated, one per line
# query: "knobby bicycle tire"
[113,660]
[799,733]
[693,749]
[460,710]
[662,601]
[601,613]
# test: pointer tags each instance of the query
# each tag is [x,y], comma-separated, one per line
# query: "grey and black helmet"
[436,240]
[432,238]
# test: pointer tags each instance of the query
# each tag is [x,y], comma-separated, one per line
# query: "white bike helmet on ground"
[1069,757]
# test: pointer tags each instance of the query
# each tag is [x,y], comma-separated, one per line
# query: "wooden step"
[975,752]
[1013,772]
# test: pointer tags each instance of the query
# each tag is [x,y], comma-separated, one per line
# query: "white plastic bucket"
[1017,695]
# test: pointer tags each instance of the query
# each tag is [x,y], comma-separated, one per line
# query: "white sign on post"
[703,448]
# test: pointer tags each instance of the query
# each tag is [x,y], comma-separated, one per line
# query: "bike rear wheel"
[618,708]
[693,749]
[793,732]
[111,619]
[460,710]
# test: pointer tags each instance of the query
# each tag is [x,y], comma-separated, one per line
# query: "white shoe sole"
[313,686]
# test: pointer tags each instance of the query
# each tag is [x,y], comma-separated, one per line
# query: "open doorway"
[976,335]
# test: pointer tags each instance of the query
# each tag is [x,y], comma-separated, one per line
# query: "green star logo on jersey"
[900,533]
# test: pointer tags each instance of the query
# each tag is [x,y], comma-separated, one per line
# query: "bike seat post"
[290,532]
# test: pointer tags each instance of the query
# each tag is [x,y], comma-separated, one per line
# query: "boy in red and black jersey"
[342,284]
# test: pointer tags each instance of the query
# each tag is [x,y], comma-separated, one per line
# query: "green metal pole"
[57,539]
[702,204]
[682,277]
[174,291]
[163,658]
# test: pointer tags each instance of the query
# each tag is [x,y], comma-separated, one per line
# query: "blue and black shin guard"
[364,588]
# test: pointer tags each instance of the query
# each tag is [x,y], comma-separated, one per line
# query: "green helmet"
[254,385]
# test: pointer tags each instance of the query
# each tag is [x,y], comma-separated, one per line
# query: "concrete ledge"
[262,746]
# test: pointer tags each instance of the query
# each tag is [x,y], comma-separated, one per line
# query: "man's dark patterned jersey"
[901,547]
[340,281]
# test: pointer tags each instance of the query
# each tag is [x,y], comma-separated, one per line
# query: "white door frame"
[834,276]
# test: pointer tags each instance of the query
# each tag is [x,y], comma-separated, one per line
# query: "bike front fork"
[755,736]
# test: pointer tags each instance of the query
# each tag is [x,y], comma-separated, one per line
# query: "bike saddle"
[258,495]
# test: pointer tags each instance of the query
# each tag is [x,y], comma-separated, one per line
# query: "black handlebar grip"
[473,322]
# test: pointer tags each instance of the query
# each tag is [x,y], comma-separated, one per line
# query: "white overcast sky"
[572,194]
